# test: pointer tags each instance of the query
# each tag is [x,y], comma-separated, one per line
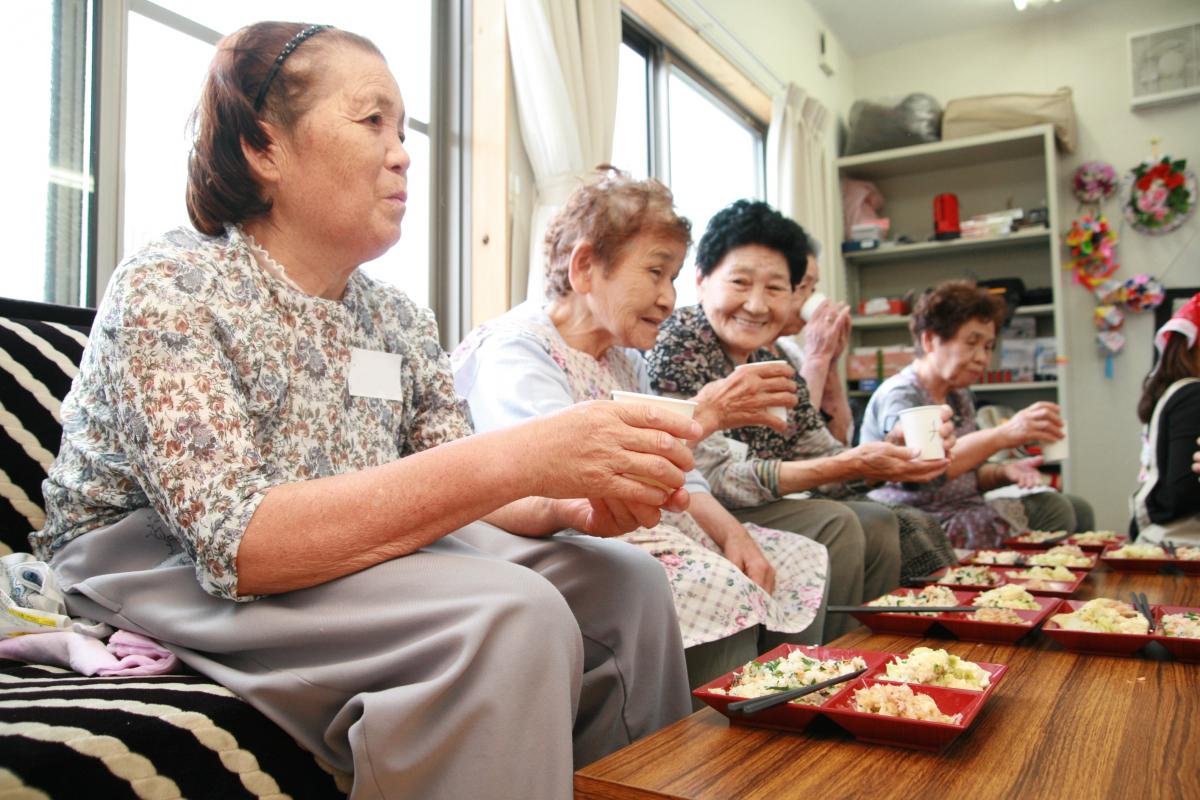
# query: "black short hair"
[753,222]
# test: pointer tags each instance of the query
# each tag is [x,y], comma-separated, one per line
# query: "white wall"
[782,34]
[1085,50]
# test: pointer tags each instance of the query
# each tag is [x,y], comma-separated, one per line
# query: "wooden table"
[1059,725]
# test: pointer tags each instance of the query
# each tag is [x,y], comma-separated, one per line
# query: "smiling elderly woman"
[749,264]
[612,255]
[259,468]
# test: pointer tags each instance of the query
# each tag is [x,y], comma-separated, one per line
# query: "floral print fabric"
[713,599]
[207,381]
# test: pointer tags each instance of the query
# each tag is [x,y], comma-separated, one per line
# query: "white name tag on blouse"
[374,373]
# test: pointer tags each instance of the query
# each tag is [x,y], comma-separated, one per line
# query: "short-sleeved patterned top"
[208,380]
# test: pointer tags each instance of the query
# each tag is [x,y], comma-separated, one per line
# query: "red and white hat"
[1185,321]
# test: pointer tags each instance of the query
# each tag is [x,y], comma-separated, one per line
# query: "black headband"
[287,50]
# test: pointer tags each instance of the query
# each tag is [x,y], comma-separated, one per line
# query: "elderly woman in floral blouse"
[612,255]
[265,466]
[750,262]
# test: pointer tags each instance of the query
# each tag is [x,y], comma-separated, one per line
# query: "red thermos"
[945,217]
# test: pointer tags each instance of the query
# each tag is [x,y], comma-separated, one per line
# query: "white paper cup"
[811,305]
[921,426]
[775,411]
[1056,452]
[685,407]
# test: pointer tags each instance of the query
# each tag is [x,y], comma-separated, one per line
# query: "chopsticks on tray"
[1143,607]
[896,609]
[757,704]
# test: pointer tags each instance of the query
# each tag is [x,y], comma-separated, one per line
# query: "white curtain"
[799,172]
[564,62]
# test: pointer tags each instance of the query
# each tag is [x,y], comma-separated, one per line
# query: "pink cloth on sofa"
[125,654]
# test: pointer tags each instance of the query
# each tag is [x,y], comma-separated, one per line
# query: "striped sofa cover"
[63,735]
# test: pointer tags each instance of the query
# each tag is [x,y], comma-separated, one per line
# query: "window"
[47,149]
[673,124]
[169,46]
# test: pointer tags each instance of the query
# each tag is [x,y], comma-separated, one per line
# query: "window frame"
[661,58]
[104,232]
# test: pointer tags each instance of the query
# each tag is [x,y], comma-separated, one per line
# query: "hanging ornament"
[1160,194]
[1093,250]
[1094,182]
[1142,293]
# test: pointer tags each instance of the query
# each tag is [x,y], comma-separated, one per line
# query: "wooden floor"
[1059,725]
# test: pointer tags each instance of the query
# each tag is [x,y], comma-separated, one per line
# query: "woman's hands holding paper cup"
[754,394]
[826,329]
[609,453]
[1040,422]
[929,431]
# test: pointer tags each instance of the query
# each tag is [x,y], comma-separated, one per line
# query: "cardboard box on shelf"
[1017,356]
[878,362]
[1020,328]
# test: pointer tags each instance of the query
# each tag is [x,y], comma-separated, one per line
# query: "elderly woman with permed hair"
[612,256]
[265,466]
[954,329]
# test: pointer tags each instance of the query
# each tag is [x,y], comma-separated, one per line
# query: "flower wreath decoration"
[1094,182]
[1093,250]
[1161,195]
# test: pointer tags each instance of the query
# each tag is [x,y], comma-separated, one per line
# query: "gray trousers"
[863,543]
[483,665]
[1056,511]
[1052,511]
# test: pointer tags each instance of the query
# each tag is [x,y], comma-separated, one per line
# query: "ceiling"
[869,26]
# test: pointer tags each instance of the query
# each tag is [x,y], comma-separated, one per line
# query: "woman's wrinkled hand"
[746,555]
[742,398]
[828,332]
[885,461]
[1040,422]
[949,438]
[1024,473]
[606,518]
[600,449]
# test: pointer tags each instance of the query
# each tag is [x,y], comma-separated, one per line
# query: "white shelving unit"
[1013,169]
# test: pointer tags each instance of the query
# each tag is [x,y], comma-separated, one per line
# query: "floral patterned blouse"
[208,380]
[687,355]
[518,366]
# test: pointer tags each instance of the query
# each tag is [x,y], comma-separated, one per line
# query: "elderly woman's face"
[344,172]
[638,293]
[962,359]
[747,298]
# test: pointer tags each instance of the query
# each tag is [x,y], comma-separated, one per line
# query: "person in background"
[954,329]
[749,263]
[815,357]
[612,254]
[1166,507]
[265,466]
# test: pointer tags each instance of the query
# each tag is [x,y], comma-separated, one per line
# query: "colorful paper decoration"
[1160,195]
[1094,182]
[1093,250]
